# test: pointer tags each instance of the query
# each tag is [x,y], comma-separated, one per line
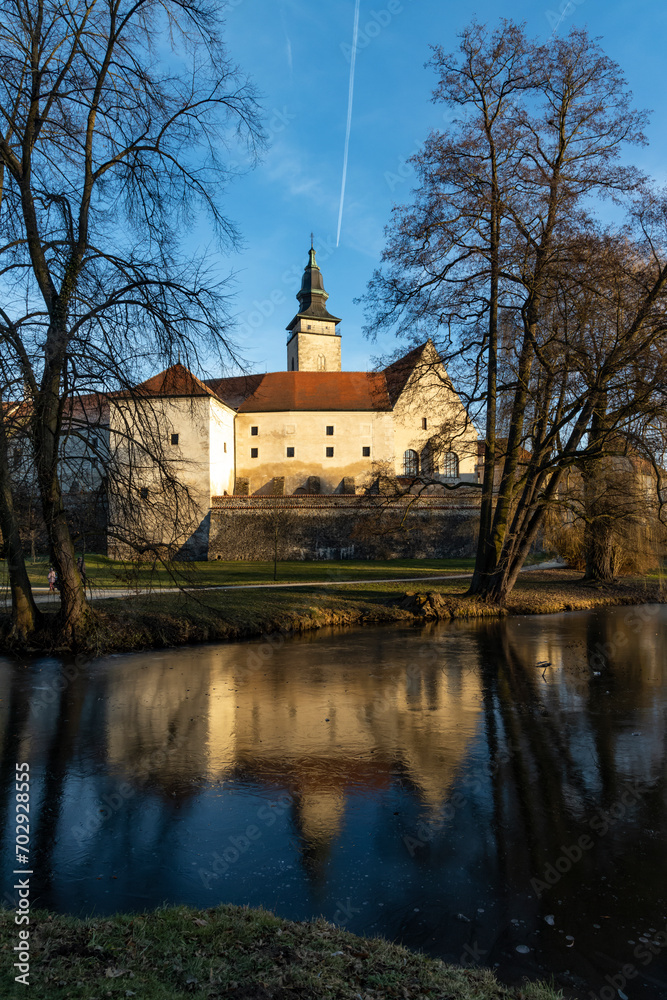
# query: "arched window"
[450,465]
[321,363]
[410,463]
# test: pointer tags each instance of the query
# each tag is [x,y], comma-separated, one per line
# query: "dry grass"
[143,622]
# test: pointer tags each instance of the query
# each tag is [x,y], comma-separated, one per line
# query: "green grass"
[108,573]
[234,953]
[105,573]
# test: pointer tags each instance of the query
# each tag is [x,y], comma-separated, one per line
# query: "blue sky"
[298,54]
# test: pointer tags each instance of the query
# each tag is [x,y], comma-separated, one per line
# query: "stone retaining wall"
[344,527]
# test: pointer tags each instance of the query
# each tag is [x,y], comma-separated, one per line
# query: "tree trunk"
[485,558]
[73,605]
[502,580]
[599,503]
[25,615]
[598,530]
[507,483]
[275,550]
[599,549]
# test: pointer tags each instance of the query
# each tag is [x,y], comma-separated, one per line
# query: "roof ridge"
[400,370]
[156,383]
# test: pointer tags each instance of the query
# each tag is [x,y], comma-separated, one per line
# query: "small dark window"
[224,447]
[143,493]
[290,452]
[292,364]
[174,438]
[424,423]
[329,452]
[254,431]
[366,451]
[329,431]
[254,452]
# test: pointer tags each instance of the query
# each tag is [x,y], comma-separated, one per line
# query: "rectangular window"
[290,452]
[224,447]
[254,452]
[143,493]
[424,423]
[329,430]
[330,453]
[366,451]
[174,438]
[254,431]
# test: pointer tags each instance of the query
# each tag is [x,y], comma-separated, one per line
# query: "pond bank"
[167,620]
[237,953]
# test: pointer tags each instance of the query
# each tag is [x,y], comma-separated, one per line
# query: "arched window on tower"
[450,465]
[321,363]
[410,463]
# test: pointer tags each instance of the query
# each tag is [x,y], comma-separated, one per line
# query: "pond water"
[434,785]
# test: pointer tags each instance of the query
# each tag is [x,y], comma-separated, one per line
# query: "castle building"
[313,428]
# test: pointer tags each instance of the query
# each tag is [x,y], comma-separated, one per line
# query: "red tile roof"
[280,391]
[399,372]
[233,391]
[318,391]
[174,381]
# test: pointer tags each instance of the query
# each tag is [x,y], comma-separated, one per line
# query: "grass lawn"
[171,619]
[108,573]
[234,953]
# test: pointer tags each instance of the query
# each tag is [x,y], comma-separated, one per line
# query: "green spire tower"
[313,343]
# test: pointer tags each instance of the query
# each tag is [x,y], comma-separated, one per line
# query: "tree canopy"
[501,258]
[116,119]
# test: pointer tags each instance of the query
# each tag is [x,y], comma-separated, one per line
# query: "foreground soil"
[143,622]
[234,953]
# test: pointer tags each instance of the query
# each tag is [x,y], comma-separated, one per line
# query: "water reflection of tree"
[562,763]
[57,765]
[17,711]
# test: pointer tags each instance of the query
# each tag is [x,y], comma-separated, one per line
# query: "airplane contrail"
[353,60]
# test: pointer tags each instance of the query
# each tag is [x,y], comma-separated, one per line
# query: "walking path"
[42,595]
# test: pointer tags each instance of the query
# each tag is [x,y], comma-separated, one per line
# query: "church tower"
[313,344]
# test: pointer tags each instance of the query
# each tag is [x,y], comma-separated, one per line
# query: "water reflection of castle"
[184,720]
[291,725]
[323,719]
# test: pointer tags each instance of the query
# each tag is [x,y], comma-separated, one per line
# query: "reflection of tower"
[313,344]
[318,814]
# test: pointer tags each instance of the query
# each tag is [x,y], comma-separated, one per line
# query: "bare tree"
[444,251]
[116,118]
[556,148]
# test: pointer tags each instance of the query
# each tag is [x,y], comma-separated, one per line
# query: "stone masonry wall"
[341,527]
